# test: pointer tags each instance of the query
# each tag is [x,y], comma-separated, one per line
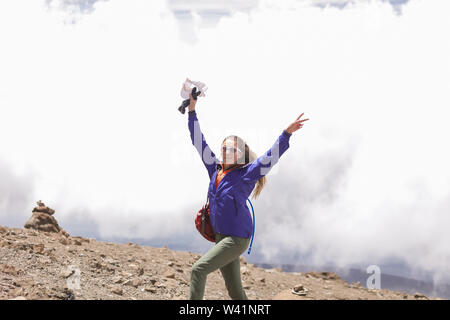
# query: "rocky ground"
[47,265]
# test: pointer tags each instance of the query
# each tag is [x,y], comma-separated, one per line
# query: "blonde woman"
[231,183]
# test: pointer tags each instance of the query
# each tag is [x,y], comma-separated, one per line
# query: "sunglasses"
[231,149]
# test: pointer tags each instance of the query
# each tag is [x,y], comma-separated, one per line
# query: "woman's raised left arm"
[261,166]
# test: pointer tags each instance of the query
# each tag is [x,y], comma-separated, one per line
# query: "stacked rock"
[43,208]
[42,219]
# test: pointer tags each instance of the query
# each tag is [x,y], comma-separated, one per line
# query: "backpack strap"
[253,233]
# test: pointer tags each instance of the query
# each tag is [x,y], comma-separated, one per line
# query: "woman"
[231,183]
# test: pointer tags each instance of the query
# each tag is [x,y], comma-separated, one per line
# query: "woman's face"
[230,152]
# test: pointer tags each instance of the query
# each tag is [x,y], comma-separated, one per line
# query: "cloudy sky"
[89,123]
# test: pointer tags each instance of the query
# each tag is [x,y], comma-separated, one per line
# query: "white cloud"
[91,107]
[218,6]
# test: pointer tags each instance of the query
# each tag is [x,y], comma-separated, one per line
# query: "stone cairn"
[42,219]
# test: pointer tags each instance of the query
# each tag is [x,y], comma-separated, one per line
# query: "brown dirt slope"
[46,265]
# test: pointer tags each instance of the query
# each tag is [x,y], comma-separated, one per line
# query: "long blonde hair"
[249,156]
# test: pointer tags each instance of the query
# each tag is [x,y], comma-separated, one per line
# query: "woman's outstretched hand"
[297,124]
[192,102]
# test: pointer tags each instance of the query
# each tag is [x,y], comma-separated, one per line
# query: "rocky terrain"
[36,264]
[43,261]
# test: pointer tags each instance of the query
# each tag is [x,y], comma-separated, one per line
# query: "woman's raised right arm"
[198,140]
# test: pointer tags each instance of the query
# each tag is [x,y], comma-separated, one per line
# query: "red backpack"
[203,222]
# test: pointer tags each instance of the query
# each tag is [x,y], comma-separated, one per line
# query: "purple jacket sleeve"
[261,166]
[198,140]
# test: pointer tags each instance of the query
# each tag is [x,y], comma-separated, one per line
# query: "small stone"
[298,287]
[149,289]
[19,298]
[97,265]
[169,274]
[245,271]
[8,269]
[80,239]
[117,290]
[67,273]
[117,280]
[64,241]
[133,282]
[16,292]
[111,261]
[170,263]
[300,290]
[126,274]
[420,296]
[64,233]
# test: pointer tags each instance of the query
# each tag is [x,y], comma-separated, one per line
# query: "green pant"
[224,255]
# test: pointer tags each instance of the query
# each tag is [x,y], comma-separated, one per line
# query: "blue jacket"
[228,211]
